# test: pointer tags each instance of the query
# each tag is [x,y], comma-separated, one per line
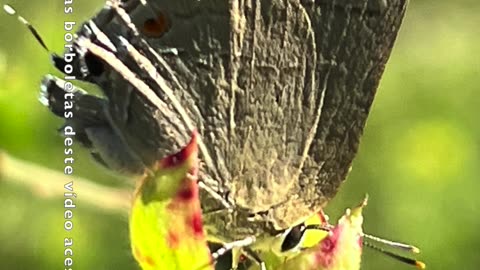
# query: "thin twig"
[44,182]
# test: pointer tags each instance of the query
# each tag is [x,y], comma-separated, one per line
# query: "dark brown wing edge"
[358,61]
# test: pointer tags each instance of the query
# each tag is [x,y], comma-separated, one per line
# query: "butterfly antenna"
[318,227]
[11,11]
[402,246]
[409,261]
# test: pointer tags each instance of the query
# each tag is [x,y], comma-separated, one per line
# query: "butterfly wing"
[279,90]
[284,89]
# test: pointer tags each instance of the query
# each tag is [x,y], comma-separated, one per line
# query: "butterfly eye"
[156,27]
[293,238]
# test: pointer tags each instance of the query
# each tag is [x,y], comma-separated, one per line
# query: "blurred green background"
[419,159]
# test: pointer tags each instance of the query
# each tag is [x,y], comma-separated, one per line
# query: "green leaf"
[166,230]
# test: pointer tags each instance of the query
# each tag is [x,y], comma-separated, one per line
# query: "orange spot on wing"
[156,27]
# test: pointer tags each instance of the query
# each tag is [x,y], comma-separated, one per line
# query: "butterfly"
[279,92]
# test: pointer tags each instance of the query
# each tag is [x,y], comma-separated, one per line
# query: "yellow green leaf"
[166,230]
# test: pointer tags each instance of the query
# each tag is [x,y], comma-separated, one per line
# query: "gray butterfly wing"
[279,90]
[283,89]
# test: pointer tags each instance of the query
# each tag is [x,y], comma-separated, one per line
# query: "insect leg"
[242,245]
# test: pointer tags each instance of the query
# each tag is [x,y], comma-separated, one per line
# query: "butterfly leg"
[240,246]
